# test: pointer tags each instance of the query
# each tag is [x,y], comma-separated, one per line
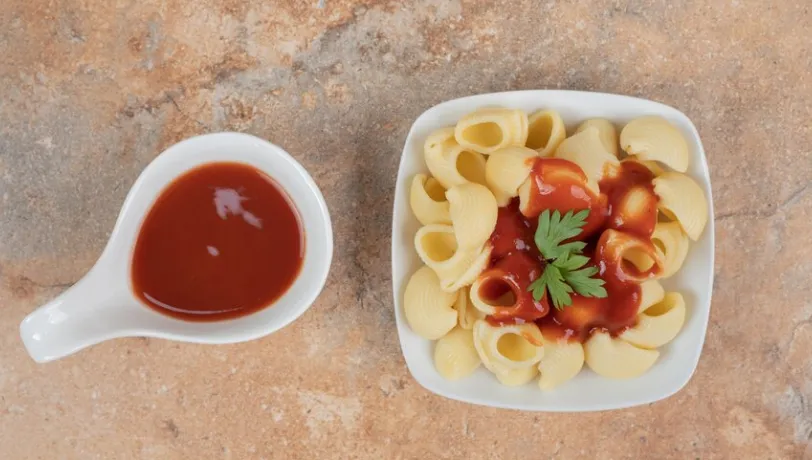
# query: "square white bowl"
[587,391]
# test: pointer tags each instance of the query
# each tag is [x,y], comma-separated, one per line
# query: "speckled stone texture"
[91,91]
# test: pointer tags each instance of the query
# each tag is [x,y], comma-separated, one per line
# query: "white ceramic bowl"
[587,391]
[102,306]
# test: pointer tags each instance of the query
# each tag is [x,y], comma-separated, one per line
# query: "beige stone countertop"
[91,91]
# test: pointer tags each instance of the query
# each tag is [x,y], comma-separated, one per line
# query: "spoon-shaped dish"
[102,305]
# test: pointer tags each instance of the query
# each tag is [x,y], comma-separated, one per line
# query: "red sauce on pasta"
[221,241]
[558,184]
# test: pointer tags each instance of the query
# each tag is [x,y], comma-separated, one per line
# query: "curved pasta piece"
[606,132]
[428,202]
[505,171]
[508,348]
[672,245]
[561,362]
[427,307]
[473,211]
[659,324]
[633,258]
[545,132]
[436,245]
[455,356]
[488,130]
[683,200]
[467,315]
[652,166]
[517,377]
[617,359]
[654,138]
[451,164]
[635,209]
[587,151]
[651,293]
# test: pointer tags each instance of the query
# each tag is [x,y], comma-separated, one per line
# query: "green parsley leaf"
[553,281]
[553,229]
[565,272]
[571,262]
[583,283]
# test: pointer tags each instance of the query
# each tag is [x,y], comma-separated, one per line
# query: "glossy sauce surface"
[558,184]
[221,241]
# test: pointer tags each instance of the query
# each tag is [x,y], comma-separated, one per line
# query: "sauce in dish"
[221,241]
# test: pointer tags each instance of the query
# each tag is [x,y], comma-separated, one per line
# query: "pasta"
[682,199]
[493,180]
[562,360]
[473,212]
[616,358]
[428,202]
[437,247]
[658,324]
[619,246]
[671,243]
[546,130]
[586,150]
[455,356]
[451,164]
[654,138]
[466,313]
[427,307]
[506,170]
[606,132]
[488,130]
[510,352]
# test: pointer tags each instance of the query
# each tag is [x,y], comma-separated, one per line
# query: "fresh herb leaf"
[565,272]
[554,229]
[571,262]
[583,283]
[552,280]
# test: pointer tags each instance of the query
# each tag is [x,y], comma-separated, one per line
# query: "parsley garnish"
[565,272]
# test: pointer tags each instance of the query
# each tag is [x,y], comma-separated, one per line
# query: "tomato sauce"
[221,241]
[558,184]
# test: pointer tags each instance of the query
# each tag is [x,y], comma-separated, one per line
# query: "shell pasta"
[543,254]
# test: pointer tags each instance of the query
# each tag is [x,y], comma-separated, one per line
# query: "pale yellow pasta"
[427,307]
[615,358]
[488,130]
[654,138]
[651,293]
[587,151]
[683,200]
[455,356]
[546,130]
[652,166]
[507,348]
[562,360]
[473,211]
[658,324]
[672,245]
[635,205]
[485,306]
[466,313]
[517,377]
[606,132]
[505,171]
[428,202]
[451,164]
[436,244]
[479,261]
[619,246]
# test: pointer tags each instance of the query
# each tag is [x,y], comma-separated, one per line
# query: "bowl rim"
[401,190]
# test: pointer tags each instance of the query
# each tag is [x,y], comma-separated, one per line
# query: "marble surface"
[90,92]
